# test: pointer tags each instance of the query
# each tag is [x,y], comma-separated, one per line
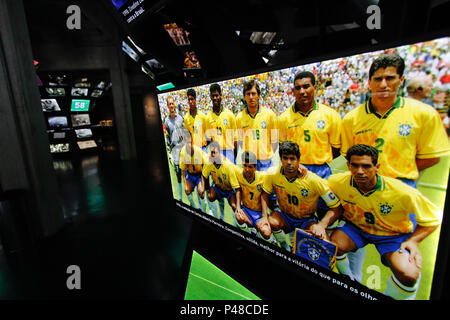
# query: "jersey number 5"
[307,136]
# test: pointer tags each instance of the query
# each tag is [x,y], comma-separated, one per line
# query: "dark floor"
[120,231]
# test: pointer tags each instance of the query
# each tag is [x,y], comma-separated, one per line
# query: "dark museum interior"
[98,196]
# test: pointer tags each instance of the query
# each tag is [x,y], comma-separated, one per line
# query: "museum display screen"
[79,120]
[86,144]
[83,133]
[59,148]
[79,105]
[57,122]
[50,105]
[342,84]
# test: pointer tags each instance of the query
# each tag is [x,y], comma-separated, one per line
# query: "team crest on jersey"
[258,187]
[405,129]
[224,176]
[305,193]
[385,208]
[225,122]
[263,125]
[320,124]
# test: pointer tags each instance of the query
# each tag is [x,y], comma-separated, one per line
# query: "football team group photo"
[351,153]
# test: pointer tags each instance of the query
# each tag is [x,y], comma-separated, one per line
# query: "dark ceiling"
[220,31]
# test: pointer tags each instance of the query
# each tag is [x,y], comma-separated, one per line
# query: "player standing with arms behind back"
[195,121]
[407,133]
[257,127]
[174,139]
[221,125]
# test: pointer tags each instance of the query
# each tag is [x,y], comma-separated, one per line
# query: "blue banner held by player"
[319,251]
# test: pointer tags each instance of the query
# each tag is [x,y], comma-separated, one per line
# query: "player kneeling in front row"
[192,159]
[297,196]
[385,212]
[249,213]
[224,179]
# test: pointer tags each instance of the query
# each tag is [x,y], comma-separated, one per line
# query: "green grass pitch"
[207,282]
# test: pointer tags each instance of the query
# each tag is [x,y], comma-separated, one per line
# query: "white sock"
[395,289]
[243,226]
[356,261]
[343,266]
[201,203]
[180,191]
[191,201]
[281,238]
[222,209]
[213,207]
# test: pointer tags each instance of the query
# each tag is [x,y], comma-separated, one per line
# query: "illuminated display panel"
[341,84]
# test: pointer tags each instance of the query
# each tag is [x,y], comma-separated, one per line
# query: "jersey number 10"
[292,200]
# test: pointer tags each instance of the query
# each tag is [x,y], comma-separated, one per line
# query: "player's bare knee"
[408,276]
[211,197]
[265,232]
[275,224]
[240,220]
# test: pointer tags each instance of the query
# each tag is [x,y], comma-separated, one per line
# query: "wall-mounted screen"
[79,92]
[59,135]
[178,34]
[57,122]
[96,93]
[191,61]
[154,64]
[131,9]
[79,120]
[88,144]
[317,165]
[59,148]
[50,105]
[79,105]
[83,133]
[55,92]
[130,51]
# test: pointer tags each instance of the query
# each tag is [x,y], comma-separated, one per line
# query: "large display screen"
[57,122]
[79,120]
[79,105]
[330,166]
[50,105]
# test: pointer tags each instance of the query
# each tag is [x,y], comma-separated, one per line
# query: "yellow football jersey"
[385,211]
[299,196]
[224,176]
[315,132]
[196,125]
[251,190]
[410,130]
[221,128]
[193,163]
[257,133]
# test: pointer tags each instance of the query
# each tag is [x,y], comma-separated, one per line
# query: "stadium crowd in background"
[341,83]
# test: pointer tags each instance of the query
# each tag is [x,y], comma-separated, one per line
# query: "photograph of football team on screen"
[352,152]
